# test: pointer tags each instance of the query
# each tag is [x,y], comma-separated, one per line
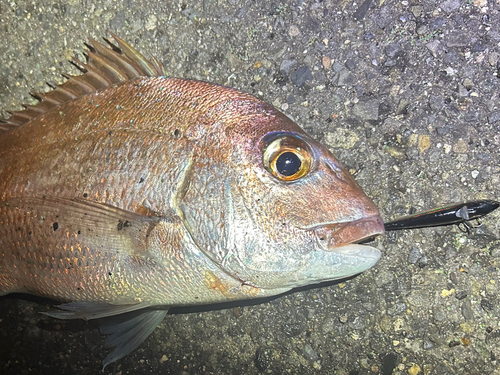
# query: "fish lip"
[335,235]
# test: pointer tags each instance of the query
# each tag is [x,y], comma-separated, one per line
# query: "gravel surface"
[406,95]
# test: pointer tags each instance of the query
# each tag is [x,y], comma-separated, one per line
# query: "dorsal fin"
[105,66]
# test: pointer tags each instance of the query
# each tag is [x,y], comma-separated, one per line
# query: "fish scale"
[126,191]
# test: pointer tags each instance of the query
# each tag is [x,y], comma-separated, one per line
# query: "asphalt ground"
[404,93]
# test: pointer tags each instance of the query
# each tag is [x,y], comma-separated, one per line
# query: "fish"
[125,192]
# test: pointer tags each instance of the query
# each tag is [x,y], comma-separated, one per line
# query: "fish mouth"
[336,235]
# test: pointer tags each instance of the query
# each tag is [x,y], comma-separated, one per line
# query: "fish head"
[314,192]
[289,213]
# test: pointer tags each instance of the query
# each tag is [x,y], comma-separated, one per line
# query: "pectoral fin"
[95,225]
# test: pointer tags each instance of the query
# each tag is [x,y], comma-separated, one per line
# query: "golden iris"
[287,158]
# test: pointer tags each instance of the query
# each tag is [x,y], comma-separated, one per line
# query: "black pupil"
[288,164]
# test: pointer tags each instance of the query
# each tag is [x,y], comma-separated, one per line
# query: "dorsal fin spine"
[92,72]
[88,88]
[77,87]
[21,114]
[67,92]
[32,108]
[135,56]
[122,63]
[104,67]
[43,97]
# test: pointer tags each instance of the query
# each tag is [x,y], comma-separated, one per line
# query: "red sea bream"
[124,190]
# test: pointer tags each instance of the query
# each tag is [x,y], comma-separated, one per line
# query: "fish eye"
[287,158]
[288,164]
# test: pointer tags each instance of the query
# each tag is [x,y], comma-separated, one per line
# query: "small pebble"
[467,312]
[414,255]
[487,305]
[468,84]
[454,343]
[366,110]
[414,370]
[293,31]
[460,147]
[446,292]
[327,62]
[466,327]
[424,142]
[302,75]
[460,295]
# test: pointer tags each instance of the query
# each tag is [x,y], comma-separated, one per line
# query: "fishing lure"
[458,214]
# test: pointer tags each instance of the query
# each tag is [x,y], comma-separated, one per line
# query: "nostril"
[335,168]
